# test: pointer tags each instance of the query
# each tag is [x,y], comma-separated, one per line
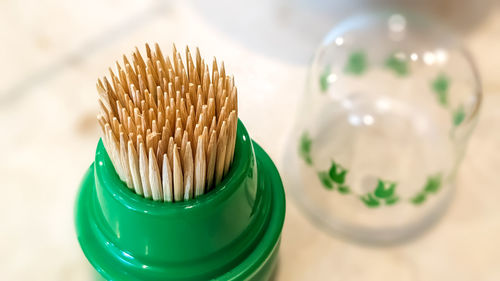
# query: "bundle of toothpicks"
[168,124]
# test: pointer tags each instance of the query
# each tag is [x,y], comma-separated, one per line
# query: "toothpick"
[188,172]
[177,175]
[211,157]
[168,124]
[133,161]
[200,169]
[124,161]
[221,153]
[167,180]
[144,171]
[154,177]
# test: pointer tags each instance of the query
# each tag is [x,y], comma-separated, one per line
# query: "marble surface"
[53,51]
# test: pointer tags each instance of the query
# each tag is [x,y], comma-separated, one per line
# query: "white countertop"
[53,51]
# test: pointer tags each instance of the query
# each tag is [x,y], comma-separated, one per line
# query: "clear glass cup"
[390,103]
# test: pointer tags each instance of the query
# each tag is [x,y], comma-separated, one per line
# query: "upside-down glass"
[390,103]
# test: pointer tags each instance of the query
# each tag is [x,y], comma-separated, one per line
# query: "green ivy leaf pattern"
[356,63]
[344,189]
[440,86]
[432,185]
[334,177]
[305,148]
[458,116]
[384,193]
[419,198]
[392,200]
[397,64]
[370,200]
[325,180]
[323,79]
[337,173]
[384,190]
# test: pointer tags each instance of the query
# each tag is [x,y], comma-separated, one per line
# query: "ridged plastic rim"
[253,263]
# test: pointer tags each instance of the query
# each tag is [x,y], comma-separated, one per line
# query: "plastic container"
[230,233]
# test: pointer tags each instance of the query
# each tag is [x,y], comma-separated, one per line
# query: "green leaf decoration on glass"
[325,180]
[384,190]
[337,173]
[356,63]
[419,198]
[440,86]
[370,201]
[323,79]
[383,194]
[398,64]
[344,189]
[392,200]
[433,184]
[334,177]
[458,116]
[305,148]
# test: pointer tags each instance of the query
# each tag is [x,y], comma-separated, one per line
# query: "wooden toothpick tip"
[168,123]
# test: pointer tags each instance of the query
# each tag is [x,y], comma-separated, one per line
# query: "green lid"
[230,233]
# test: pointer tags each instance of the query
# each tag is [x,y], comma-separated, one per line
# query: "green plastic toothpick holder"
[230,233]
